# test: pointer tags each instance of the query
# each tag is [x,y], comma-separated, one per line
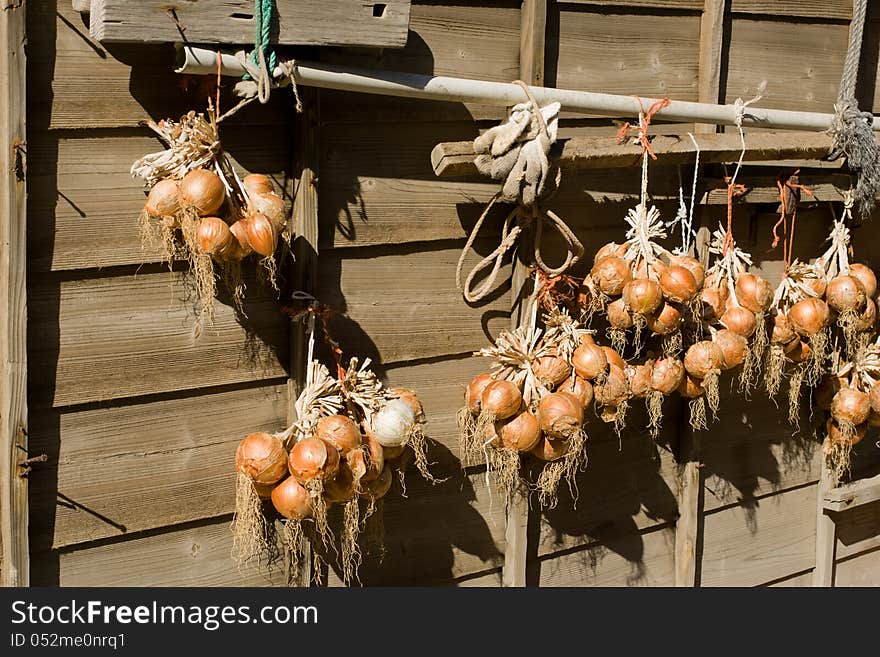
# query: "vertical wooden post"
[826,534]
[531,69]
[14,558]
[711,48]
[305,254]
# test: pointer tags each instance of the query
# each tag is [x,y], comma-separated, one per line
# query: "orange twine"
[555,291]
[733,189]
[644,122]
[323,312]
[219,62]
[785,184]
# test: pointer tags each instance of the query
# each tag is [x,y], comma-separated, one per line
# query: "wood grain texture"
[800,580]
[711,53]
[837,9]
[298,22]
[14,552]
[857,530]
[192,556]
[764,540]
[120,469]
[863,570]
[122,336]
[823,571]
[855,494]
[85,205]
[403,305]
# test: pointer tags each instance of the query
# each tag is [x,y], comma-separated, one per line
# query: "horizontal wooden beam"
[297,22]
[457,158]
[852,495]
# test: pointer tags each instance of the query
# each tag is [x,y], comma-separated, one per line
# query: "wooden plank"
[823,573]
[711,49]
[120,469]
[863,491]
[835,9]
[687,527]
[300,22]
[14,552]
[402,305]
[797,581]
[107,338]
[760,541]
[648,4]
[191,556]
[533,32]
[857,530]
[456,158]
[85,205]
[863,570]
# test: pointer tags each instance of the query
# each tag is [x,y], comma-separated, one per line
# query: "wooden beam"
[711,48]
[532,36]
[14,558]
[826,539]
[582,153]
[852,495]
[299,22]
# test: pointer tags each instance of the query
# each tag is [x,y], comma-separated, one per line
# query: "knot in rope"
[307,306]
[644,123]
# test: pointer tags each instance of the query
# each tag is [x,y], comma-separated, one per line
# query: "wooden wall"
[140,417]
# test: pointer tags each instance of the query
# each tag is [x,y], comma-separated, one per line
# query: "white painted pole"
[503,94]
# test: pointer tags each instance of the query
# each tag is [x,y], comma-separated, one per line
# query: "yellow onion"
[613,390]
[639,379]
[874,397]
[163,199]
[739,320]
[551,369]
[262,457]
[261,234]
[667,319]
[782,332]
[845,293]
[214,236]
[692,265]
[560,414]
[340,431]
[713,302]
[270,205]
[655,270]
[474,391]
[835,435]
[866,277]
[642,295]
[343,486]
[579,387]
[394,423]
[589,361]
[753,292]
[610,249]
[501,398]
[549,449]
[292,500]
[379,487]
[817,285]
[691,387]
[798,351]
[703,357]
[313,458]
[809,316]
[827,388]
[367,461]
[678,284]
[868,317]
[585,338]
[611,274]
[733,348]
[613,357]
[239,232]
[667,374]
[203,191]
[520,433]
[257,183]
[850,405]
[618,314]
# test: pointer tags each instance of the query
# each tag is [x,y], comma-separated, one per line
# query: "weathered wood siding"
[139,416]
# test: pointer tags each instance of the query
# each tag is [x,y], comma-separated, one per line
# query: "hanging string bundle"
[517,153]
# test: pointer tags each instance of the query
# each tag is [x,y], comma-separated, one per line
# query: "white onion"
[394,423]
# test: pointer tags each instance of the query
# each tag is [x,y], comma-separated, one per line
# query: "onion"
[739,320]
[702,358]
[203,191]
[412,400]
[392,453]
[292,500]
[340,431]
[313,458]
[667,374]
[214,236]
[845,293]
[797,351]
[874,397]
[613,357]
[713,302]
[264,491]
[369,460]
[163,199]
[584,296]
[270,205]
[642,295]
[613,390]
[549,449]
[379,487]
[589,361]
[733,348]
[520,433]
[835,437]
[393,424]
[817,285]
[692,265]
[782,332]
[611,274]
[261,234]
[691,387]
[664,321]
[618,314]
[827,388]
[866,277]
[501,398]
[474,391]
[850,405]
[261,456]
[579,387]
[552,369]
[868,318]
[642,270]
[239,232]
[678,284]
[610,249]
[753,292]
[257,183]
[343,486]
[639,379]
[560,414]
[586,337]
[809,316]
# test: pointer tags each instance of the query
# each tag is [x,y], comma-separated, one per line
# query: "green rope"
[262,32]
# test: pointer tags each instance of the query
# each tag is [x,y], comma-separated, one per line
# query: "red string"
[785,184]
[219,62]
[555,291]
[323,313]
[644,122]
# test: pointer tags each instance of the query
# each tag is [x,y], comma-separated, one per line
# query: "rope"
[310,307]
[789,190]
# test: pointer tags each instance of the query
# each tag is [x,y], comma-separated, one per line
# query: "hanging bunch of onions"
[197,209]
[534,402]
